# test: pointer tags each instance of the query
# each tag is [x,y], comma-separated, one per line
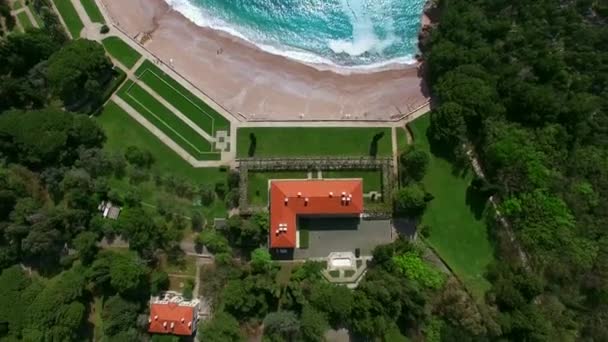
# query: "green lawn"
[24,20]
[166,121]
[93,11]
[401,139]
[70,17]
[372,179]
[190,105]
[178,283]
[120,50]
[97,319]
[188,267]
[305,142]
[36,15]
[285,270]
[456,233]
[122,131]
[257,187]
[17,4]
[304,238]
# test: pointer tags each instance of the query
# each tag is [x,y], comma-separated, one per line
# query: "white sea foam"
[364,40]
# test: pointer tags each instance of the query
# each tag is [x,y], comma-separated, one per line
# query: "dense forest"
[524,86]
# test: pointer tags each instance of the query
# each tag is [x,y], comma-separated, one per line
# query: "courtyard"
[339,234]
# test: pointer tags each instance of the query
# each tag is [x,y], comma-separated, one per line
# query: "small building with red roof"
[291,199]
[170,313]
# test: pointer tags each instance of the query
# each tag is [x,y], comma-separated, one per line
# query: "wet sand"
[256,85]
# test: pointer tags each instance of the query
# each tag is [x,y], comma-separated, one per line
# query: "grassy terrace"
[197,110]
[457,233]
[306,142]
[36,15]
[17,4]
[93,11]
[70,17]
[372,180]
[122,131]
[167,122]
[257,187]
[24,20]
[121,51]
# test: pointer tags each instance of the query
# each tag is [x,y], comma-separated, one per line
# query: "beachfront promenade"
[91,31]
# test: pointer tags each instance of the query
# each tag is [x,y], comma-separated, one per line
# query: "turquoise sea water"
[345,33]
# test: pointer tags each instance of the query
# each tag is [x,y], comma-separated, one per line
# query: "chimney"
[156,317]
[299,194]
[172,325]
[183,320]
[165,324]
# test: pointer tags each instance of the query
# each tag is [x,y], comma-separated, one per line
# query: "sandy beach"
[256,85]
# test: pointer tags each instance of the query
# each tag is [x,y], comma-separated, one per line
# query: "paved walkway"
[29,15]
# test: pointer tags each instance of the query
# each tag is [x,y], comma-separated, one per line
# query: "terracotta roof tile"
[289,198]
[171,318]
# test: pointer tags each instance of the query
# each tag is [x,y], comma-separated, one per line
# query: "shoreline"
[302,56]
[259,85]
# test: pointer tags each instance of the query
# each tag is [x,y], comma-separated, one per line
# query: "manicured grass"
[304,238]
[188,267]
[120,50]
[178,284]
[122,131]
[372,179]
[24,20]
[197,110]
[17,4]
[457,234]
[97,319]
[70,17]
[36,15]
[284,273]
[93,11]
[166,121]
[303,142]
[401,140]
[257,187]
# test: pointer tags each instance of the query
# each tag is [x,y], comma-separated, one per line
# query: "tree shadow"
[253,144]
[373,147]
[460,164]
[477,202]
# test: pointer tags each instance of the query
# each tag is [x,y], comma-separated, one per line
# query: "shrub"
[413,267]
[188,288]
[104,29]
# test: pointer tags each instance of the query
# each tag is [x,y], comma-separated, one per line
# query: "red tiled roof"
[166,318]
[309,197]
